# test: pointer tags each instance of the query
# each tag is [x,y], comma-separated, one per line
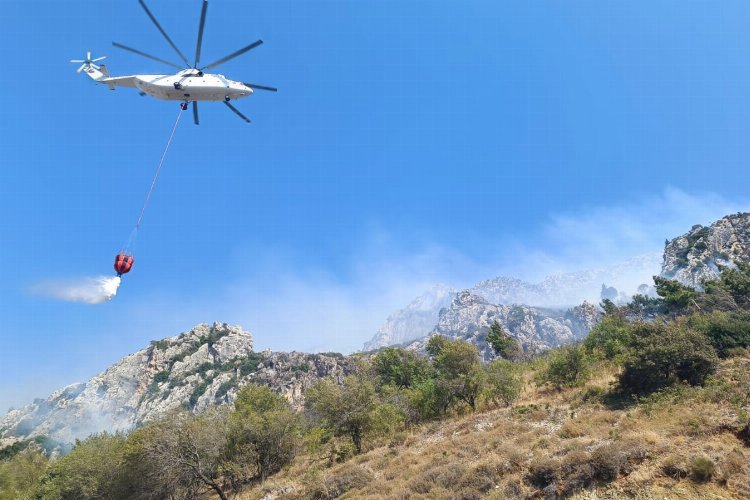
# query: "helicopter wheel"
[226,98]
[184,106]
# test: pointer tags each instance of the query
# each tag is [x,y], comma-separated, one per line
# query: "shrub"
[727,331]
[543,472]
[702,468]
[161,377]
[502,343]
[567,367]
[251,363]
[610,338]
[674,467]
[502,381]
[345,480]
[662,355]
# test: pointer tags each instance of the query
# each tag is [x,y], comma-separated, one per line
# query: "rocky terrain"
[558,292]
[469,318]
[696,255]
[203,366]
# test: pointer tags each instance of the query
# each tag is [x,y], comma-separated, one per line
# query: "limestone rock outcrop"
[697,255]
[203,366]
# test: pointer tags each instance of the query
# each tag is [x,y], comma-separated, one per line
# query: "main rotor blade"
[125,47]
[195,112]
[260,87]
[98,58]
[81,68]
[237,111]
[234,54]
[77,60]
[164,33]
[200,33]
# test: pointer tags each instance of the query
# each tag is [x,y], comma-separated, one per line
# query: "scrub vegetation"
[653,404]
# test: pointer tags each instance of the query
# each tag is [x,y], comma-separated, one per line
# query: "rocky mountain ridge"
[469,318]
[551,298]
[200,367]
[697,255]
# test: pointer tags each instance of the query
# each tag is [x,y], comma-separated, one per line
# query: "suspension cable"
[158,170]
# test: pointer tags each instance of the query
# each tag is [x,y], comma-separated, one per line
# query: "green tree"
[92,470]
[725,331]
[20,474]
[502,343]
[351,409]
[264,428]
[183,455]
[609,339]
[502,382]
[567,366]
[400,367]
[663,354]
[676,296]
[459,370]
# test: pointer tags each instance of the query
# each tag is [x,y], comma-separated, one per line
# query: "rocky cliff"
[560,291]
[697,255]
[201,367]
[469,318]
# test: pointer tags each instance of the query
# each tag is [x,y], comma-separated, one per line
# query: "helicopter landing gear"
[184,106]
[226,98]
[177,86]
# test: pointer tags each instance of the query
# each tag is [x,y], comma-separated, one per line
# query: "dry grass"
[554,444]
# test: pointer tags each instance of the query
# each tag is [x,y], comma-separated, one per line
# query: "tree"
[725,331]
[264,428]
[567,367]
[92,470]
[400,367]
[459,369]
[349,409]
[20,474]
[502,343]
[676,296]
[663,354]
[186,455]
[609,339]
[502,381]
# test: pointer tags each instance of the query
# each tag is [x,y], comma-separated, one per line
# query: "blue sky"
[411,142]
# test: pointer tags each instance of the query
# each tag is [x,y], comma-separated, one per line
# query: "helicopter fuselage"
[191,86]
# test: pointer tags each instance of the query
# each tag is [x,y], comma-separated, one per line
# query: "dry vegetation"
[684,442]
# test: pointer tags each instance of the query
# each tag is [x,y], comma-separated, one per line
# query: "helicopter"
[189,85]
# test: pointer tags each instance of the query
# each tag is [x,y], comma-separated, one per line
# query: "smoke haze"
[90,290]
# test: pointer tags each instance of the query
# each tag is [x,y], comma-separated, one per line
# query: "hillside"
[551,443]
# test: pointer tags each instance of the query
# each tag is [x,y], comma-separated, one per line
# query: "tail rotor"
[88,62]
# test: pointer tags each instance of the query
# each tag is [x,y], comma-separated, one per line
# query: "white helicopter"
[188,85]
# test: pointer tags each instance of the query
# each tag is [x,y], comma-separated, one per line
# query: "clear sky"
[410,143]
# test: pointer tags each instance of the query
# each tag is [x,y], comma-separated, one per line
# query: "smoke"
[95,290]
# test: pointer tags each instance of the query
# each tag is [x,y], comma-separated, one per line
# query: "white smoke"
[95,290]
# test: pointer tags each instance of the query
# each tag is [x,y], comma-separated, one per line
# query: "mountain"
[558,291]
[203,366]
[414,321]
[697,254]
[564,290]
[469,318]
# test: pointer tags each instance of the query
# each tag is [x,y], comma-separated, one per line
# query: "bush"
[543,472]
[727,331]
[663,355]
[502,382]
[567,367]
[610,338]
[161,377]
[251,363]
[702,468]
